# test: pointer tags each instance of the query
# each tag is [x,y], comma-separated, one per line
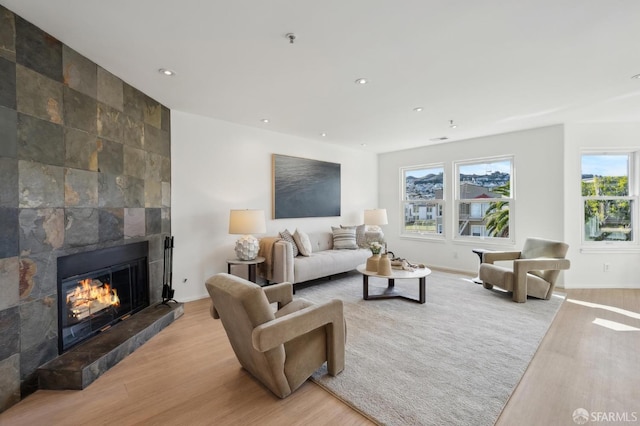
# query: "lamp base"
[247,247]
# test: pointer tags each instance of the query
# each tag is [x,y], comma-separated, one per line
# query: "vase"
[372,263]
[384,265]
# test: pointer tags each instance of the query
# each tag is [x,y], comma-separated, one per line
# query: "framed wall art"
[305,188]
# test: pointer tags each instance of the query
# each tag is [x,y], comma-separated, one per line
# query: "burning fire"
[91,296]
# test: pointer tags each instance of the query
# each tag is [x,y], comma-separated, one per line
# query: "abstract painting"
[305,188]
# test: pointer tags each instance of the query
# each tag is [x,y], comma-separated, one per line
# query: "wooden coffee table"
[390,291]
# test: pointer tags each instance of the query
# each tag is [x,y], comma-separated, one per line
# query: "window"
[484,197]
[608,197]
[422,200]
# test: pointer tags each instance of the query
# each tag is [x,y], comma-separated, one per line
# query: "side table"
[480,253]
[251,265]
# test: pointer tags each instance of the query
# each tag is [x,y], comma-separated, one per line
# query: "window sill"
[485,241]
[418,237]
[609,249]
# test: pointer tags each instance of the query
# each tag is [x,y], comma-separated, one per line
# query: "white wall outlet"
[606,267]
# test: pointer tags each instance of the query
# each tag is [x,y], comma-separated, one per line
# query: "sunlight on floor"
[620,311]
[613,325]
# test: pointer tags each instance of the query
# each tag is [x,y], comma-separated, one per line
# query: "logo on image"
[580,416]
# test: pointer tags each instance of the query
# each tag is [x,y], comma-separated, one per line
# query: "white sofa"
[324,260]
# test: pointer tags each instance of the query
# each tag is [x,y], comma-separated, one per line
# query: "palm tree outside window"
[483,197]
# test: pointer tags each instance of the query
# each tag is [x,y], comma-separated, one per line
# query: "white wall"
[587,267]
[218,166]
[539,203]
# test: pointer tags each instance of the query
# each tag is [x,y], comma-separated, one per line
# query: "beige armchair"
[282,348]
[535,269]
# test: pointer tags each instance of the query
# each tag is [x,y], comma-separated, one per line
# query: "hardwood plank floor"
[584,362]
[188,375]
[185,375]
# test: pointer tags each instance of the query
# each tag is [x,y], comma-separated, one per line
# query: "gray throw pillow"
[361,240]
[286,235]
[344,238]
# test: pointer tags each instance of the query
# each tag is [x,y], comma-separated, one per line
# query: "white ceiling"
[492,66]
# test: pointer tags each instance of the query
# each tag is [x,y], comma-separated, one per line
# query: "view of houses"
[476,194]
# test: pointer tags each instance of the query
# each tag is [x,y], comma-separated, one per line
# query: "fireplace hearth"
[104,314]
[81,365]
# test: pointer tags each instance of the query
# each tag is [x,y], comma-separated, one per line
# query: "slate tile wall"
[85,163]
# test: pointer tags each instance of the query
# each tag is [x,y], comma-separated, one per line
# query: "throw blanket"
[266,251]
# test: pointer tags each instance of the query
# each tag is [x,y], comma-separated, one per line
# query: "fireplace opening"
[99,288]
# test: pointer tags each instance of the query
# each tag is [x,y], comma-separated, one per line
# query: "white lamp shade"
[244,222]
[375,217]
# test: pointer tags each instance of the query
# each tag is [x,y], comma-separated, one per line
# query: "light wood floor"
[583,362]
[188,375]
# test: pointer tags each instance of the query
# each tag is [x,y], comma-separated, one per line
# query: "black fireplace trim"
[85,262]
[107,257]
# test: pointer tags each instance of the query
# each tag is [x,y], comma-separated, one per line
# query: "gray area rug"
[452,361]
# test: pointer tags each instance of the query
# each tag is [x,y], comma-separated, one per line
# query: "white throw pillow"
[303,242]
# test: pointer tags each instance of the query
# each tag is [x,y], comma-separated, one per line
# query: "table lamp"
[376,217]
[245,223]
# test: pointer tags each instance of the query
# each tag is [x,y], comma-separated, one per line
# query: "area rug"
[454,360]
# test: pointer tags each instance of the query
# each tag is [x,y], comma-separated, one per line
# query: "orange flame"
[91,296]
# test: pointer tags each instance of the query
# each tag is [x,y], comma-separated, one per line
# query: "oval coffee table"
[390,291]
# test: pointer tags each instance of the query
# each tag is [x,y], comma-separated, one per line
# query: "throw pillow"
[303,242]
[344,238]
[361,240]
[286,235]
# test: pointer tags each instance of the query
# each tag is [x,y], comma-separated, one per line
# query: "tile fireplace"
[85,164]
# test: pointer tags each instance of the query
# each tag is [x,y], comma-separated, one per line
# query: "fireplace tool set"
[167,274]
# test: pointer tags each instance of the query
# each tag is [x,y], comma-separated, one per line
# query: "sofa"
[323,261]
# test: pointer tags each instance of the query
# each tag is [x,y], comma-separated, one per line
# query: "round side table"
[251,265]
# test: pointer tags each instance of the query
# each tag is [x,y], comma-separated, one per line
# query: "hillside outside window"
[423,201]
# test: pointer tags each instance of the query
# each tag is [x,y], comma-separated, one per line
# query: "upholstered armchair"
[282,348]
[534,272]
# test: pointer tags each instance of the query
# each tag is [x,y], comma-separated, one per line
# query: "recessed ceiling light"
[417,109]
[362,81]
[166,72]
[323,134]
[636,76]
[265,120]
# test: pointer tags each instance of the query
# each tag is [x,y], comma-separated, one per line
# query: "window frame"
[440,203]
[633,176]
[457,201]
